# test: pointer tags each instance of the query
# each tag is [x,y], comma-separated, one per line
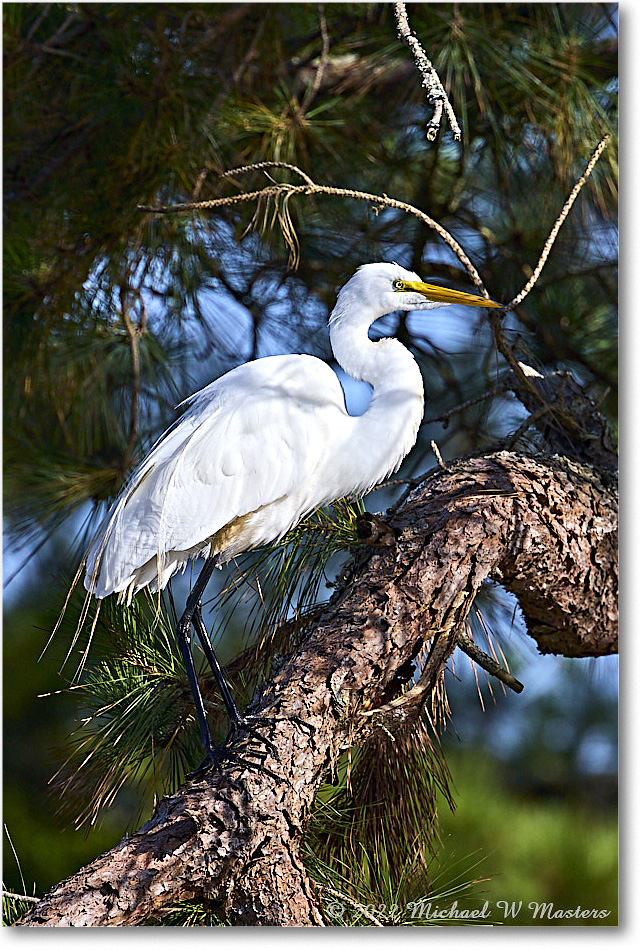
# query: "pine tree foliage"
[149,103]
[15,905]
[112,315]
[136,723]
[136,726]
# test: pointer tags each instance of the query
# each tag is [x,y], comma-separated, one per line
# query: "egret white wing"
[245,441]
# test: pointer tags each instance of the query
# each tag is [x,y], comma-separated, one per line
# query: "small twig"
[487,663]
[344,899]
[440,461]
[495,317]
[570,201]
[21,897]
[393,482]
[444,417]
[261,166]
[430,80]
[312,91]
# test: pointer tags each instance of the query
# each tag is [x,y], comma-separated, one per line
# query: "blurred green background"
[534,775]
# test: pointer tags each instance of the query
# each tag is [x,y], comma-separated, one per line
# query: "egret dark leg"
[183,637]
[192,617]
[238,722]
[232,709]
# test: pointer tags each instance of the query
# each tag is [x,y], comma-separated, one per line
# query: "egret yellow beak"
[444,294]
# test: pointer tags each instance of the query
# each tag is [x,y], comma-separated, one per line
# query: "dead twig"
[487,663]
[313,89]
[495,316]
[440,462]
[26,897]
[460,407]
[570,201]
[278,191]
[436,94]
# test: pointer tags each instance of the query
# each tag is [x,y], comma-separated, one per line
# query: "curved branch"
[287,191]
[561,218]
[545,528]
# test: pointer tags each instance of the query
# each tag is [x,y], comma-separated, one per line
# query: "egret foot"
[221,756]
[211,761]
[217,756]
[243,725]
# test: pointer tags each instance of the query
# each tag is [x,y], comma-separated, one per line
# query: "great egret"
[261,447]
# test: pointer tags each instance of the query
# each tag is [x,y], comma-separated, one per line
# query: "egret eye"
[397,285]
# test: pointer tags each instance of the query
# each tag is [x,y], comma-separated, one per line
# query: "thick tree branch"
[545,528]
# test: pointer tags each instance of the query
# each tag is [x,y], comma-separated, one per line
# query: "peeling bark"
[546,529]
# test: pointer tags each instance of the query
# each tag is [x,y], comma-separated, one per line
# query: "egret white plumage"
[261,447]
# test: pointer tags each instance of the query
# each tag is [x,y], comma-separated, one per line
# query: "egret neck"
[388,428]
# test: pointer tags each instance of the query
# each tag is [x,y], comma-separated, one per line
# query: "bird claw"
[216,758]
[243,725]
[217,755]
[211,761]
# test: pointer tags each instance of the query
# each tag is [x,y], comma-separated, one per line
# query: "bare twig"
[287,191]
[393,482]
[570,201]
[495,317]
[460,407]
[26,897]
[312,91]
[261,166]
[429,79]
[487,663]
[440,461]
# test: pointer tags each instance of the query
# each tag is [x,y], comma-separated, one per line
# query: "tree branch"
[429,78]
[545,528]
[283,192]
[561,218]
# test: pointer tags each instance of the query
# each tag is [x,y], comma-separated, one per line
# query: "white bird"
[261,447]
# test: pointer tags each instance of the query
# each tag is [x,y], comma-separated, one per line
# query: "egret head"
[389,287]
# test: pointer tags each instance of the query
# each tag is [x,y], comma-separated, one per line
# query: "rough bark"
[546,529]
[568,419]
